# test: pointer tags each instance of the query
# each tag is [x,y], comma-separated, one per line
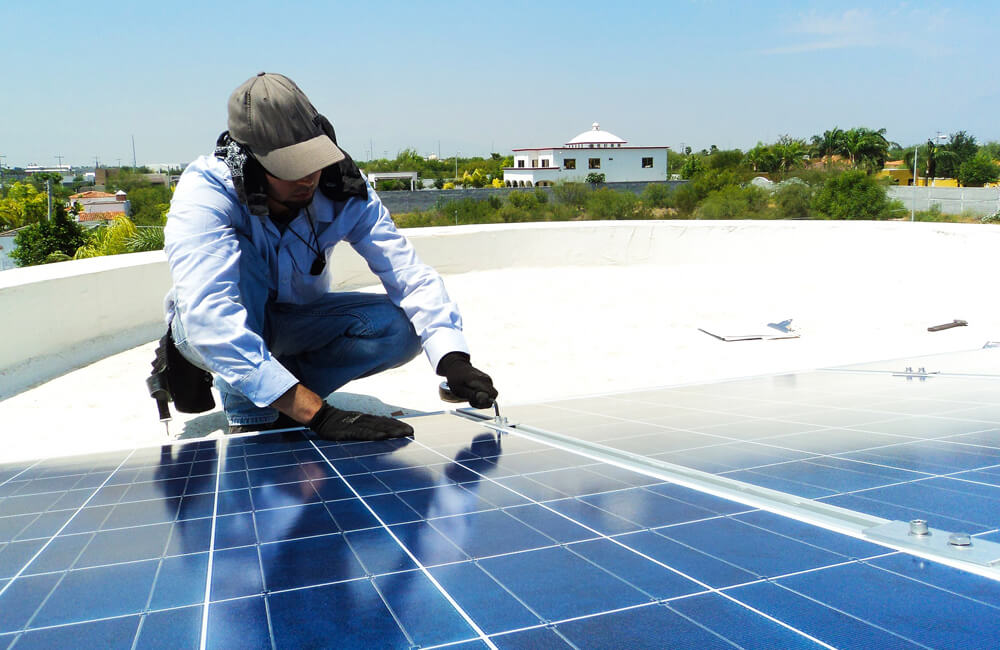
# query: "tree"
[852,195]
[978,171]
[829,144]
[692,165]
[934,159]
[149,204]
[725,159]
[964,148]
[48,241]
[762,158]
[22,206]
[865,147]
[790,152]
[595,178]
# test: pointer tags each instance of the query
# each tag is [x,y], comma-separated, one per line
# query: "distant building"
[593,151]
[100,206]
[56,169]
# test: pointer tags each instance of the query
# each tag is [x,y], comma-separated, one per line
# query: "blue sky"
[80,79]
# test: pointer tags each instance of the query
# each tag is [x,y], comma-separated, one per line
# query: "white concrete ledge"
[57,317]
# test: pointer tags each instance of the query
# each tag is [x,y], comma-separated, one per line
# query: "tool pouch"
[176,379]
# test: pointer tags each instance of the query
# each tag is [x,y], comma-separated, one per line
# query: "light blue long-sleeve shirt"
[203,249]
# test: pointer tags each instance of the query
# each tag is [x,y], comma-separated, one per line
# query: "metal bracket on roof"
[920,374]
[918,538]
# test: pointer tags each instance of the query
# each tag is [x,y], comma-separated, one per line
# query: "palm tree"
[790,151]
[828,144]
[866,146]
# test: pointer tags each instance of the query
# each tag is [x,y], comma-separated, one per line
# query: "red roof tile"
[99,216]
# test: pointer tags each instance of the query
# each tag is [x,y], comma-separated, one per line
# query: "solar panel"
[466,537]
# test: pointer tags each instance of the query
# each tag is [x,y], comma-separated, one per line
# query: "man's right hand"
[331,423]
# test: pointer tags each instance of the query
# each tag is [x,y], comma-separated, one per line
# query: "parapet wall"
[57,317]
[951,200]
[406,201]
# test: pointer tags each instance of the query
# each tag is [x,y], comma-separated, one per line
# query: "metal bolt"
[919,527]
[960,539]
[922,370]
[909,369]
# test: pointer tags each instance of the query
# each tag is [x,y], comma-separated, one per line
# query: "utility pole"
[59,158]
[134,164]
[48,190]
[1,171]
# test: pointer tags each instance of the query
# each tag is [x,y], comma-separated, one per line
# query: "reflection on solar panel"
[469,538]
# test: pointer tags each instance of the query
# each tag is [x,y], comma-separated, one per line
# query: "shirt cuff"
[441,343]
[269,381]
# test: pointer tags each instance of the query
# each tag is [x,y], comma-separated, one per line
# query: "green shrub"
[733,202]
[657,196]
[574,194]
[606,203]
[792,201]
[541,196]
[522,200]
[852,195]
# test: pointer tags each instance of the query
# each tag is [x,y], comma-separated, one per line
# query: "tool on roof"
[947,326]
[175,379]
[447,395]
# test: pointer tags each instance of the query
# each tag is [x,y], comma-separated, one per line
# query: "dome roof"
[596,136]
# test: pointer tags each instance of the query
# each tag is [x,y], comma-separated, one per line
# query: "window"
[569,163]
[545,162]
[647,163]
[520,163]
[594,163]
[534,163]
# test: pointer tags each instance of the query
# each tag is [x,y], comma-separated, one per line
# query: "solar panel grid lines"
[211,555]
[481,635]
[45,545]
[682,574]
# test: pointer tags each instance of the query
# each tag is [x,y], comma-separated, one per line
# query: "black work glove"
[467,382]
[333,424]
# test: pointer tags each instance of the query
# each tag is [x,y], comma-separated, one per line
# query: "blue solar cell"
[882,597]
[112,633]
[424,613]
[642,627]
[535,639]
[646,508]
[543,579]
[494,532]
[180,581]
[84,594]
[310,561]
[638,571]
[494,608]
[242,624]
[176,628]
[236,573]
[549,523]
[351,613]
[836,628]
[753,549]
[379,553]
[737,624]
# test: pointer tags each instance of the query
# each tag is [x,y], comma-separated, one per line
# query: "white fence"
[951,200]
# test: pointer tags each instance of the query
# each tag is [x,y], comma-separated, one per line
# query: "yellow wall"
[905,177]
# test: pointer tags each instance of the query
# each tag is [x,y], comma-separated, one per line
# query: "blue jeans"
[325,344]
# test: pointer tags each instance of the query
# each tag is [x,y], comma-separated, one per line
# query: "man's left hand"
[466,381]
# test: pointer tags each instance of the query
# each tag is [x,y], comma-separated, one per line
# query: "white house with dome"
[593,151]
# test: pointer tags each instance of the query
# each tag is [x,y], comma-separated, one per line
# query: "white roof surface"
[550,332]
[596,136]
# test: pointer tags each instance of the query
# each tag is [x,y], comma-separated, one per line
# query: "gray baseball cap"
[273,118]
